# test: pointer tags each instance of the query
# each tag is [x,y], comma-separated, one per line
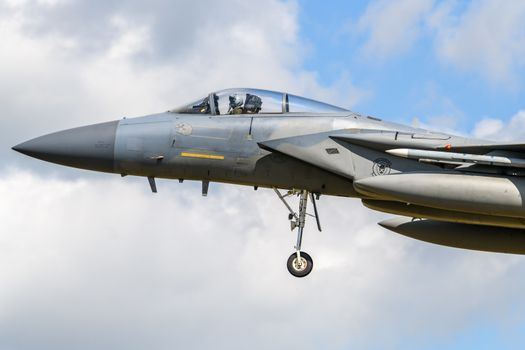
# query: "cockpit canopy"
[255,101]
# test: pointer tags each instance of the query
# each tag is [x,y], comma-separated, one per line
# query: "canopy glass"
[255,101]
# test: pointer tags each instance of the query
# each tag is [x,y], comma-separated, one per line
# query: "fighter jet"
[445,189]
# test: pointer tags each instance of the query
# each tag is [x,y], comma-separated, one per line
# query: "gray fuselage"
[460,183]
[225,149]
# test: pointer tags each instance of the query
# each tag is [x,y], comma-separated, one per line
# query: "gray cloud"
[177,27]
[92,261]
[154,274]
[66,64]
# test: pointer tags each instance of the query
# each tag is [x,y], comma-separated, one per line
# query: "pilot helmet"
[236,100]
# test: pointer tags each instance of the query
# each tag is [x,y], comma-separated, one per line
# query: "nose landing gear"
[300,264]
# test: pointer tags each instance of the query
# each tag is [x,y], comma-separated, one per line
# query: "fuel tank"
[479,194]
[473,237]
[417,211]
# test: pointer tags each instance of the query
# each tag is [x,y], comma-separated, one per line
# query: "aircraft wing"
[382,140]
[387,139]
[331,151]
[441,149]
[353,153]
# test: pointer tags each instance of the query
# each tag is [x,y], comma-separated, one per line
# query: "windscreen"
[201,106]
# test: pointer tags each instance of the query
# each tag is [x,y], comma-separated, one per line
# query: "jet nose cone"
[18,148]
[89,147]
[29,148]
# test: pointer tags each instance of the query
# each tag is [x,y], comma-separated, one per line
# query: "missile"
[479,194]
[456,158]
[474,237]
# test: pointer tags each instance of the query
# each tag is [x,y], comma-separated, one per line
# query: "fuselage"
[226,149]
[321,150]
[220,148]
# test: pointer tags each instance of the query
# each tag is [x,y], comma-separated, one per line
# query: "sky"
[92,260]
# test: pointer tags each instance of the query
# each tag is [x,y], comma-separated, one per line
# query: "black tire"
[304,271]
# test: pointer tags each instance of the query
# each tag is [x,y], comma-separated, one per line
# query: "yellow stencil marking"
[200,155]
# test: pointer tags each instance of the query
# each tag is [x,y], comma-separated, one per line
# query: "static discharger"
[425,155]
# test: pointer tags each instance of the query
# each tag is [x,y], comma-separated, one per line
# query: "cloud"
[487,38]
[65,64]
[102,263]
[500,130]
[392,27]
[487,128]
[442,112]
[114,266]
[483,37]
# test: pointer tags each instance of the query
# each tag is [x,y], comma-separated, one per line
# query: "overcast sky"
[95,261]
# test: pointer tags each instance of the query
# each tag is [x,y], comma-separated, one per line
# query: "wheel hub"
[300,264]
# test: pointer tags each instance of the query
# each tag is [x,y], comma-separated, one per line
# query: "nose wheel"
[300,264]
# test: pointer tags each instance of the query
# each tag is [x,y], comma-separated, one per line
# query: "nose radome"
[88,147]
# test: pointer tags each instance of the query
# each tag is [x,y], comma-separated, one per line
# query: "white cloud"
[499,130]
[114,266]
[484,37]
[487,128]
[487,38]
[392,27]
[78,63]
[443,114]
[103,263]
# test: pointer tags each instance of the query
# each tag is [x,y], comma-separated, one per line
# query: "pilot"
[236,102]
[252,105]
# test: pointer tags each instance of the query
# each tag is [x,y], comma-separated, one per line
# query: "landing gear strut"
[300,264]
